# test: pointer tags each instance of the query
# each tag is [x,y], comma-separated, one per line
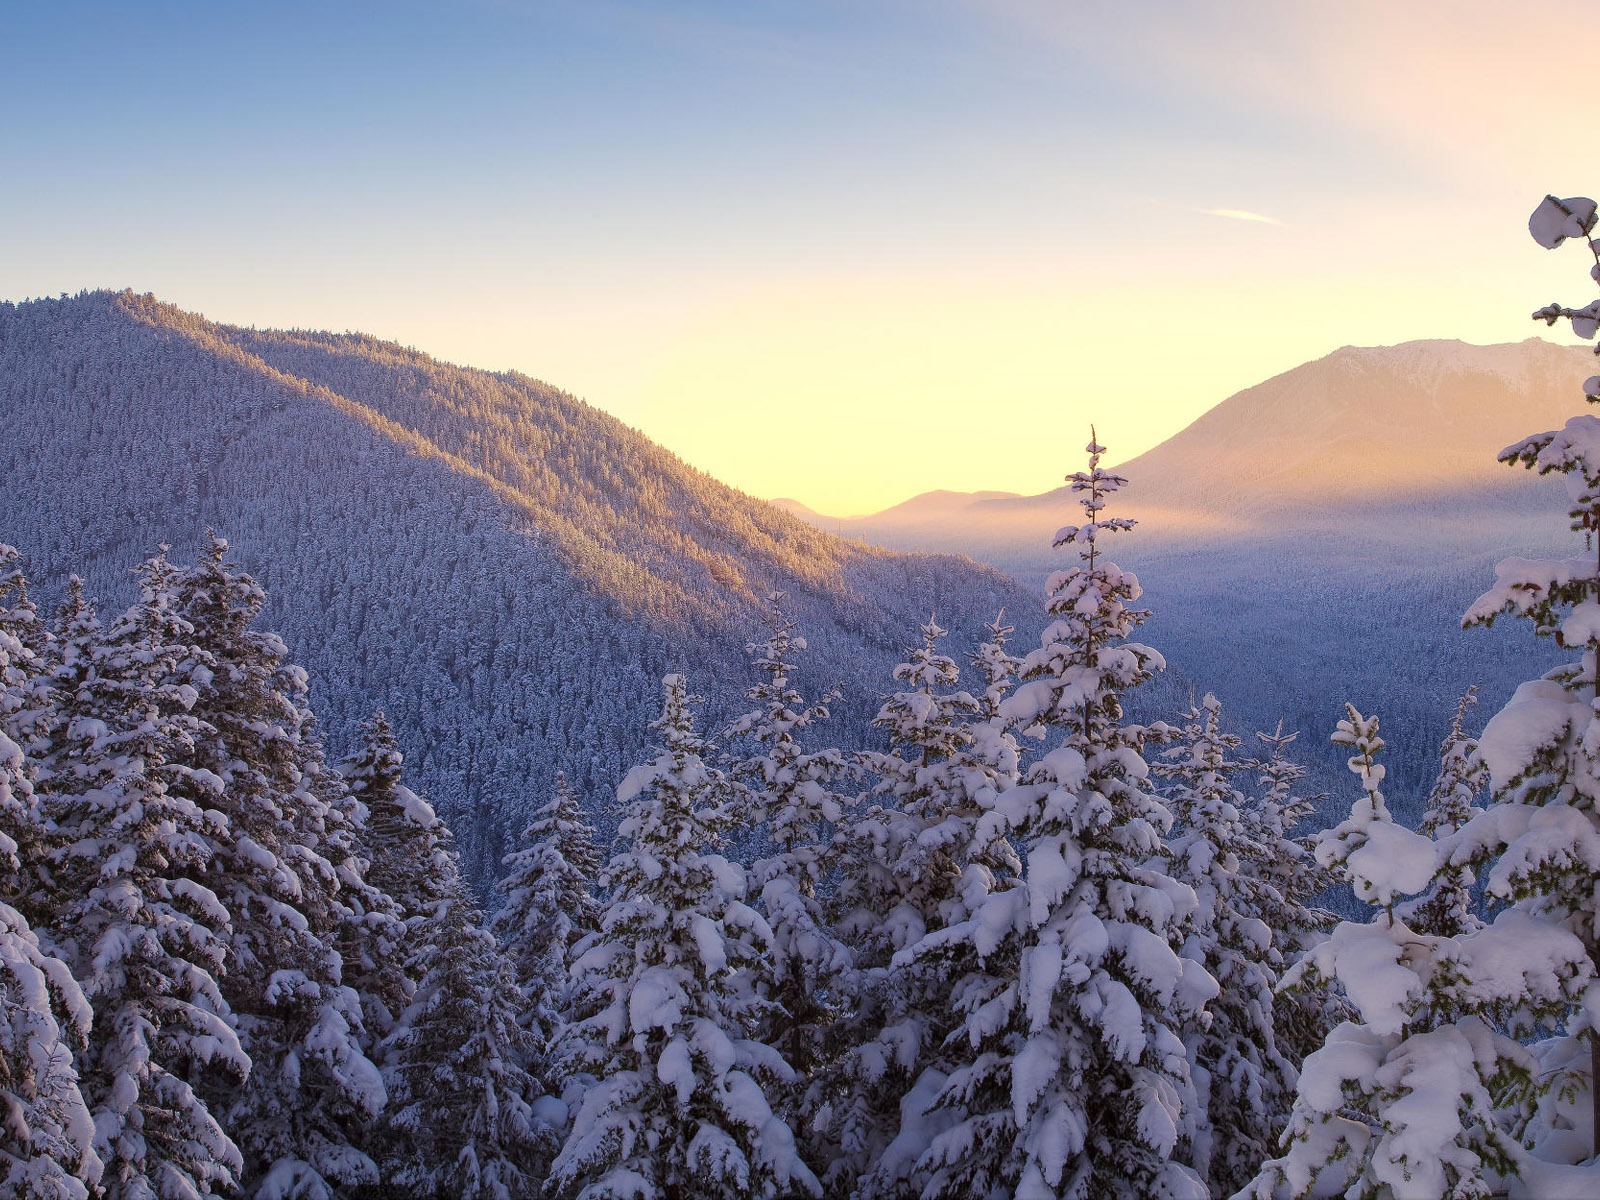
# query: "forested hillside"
[504,570]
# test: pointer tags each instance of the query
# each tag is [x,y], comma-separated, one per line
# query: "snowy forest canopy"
[1027,946]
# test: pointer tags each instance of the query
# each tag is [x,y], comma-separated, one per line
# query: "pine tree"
[1445,909]
[46,1131]
[1244,1081]
[1400,1099]
[917,860]
[23,678]
[461,1094]
[1542,750]
[680,1104]
[548,908]
[1072,1079]
[789,795]
[313,1093]
[1287,878]
[24,645]
[374,943]
[146,940]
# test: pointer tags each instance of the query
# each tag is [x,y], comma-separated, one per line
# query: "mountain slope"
[503,569]
[1413,427]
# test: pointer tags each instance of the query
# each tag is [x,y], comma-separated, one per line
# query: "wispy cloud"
[1239,214]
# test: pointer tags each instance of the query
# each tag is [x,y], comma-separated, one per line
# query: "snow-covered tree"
[373,942]
[23,705]
[679,1102]
[915,860]
[461,1096]
[789,796]
[1540,839]
[313,1094]
[27,650]
[1243,1080]
[549,905]
[46,1131]
[144,937]
[1287,877]
[1070,1076]
[1445,909]
[1400,1100]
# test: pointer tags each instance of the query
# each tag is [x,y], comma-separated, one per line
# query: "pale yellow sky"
[844,251]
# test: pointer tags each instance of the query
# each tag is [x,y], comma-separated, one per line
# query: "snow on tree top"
[1554,221]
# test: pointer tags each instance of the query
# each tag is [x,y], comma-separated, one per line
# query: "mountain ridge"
[504,570]
[1327,394]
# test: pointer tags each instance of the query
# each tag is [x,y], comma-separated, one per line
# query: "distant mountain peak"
[1421,418]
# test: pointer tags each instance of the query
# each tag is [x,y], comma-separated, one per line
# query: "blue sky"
[919,244]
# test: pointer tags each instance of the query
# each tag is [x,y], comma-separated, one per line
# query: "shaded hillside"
[505,570]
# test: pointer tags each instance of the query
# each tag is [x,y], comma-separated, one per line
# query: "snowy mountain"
[1317,537]
[504,570]
[1412,426]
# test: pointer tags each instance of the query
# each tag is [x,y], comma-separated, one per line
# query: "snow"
[1540,714]
[1392,861]
[1539,1180]
[1554,221]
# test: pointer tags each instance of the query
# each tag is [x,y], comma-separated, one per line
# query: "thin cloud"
[1239,214]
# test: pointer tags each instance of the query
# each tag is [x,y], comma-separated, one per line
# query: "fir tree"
[461,1094]
[918,859]
[789,795]
[1445,909]
[1071,1078]
[680,1104]
[1286,878]
[146,940]
[374,941]
[1542,750]
[1243,1080]
[548,908]
[24,702]
[1400,1099]
[46,1131]
[313,1093]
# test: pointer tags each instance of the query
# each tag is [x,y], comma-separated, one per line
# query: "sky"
[844,251]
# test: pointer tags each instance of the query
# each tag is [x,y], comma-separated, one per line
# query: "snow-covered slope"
[505,570]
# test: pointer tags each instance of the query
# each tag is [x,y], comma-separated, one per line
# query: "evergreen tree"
[146,940]
[27,640]
[1071,1078]
[548,908]
[461,1095]
[1287,877]
[46,1131]
[24,645]
[789,795]
[374,942]
[1400,1099]
[1243,1080]
[1542,750]
[1445,909]
[680,1104]
[917,860]
[313,1094]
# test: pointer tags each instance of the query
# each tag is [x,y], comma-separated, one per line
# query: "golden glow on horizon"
[854,399]
[844,255]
